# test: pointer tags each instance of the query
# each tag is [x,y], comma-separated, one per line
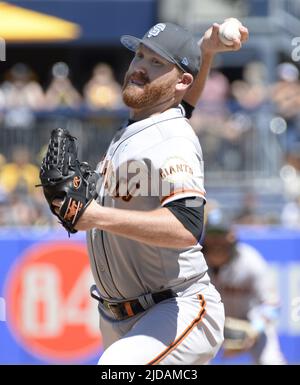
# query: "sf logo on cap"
[154,31]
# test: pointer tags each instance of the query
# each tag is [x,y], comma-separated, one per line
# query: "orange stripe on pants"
[183,335]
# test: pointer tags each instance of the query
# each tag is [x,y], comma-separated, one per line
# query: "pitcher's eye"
[156,62]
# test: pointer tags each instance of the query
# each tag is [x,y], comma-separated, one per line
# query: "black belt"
[126,309]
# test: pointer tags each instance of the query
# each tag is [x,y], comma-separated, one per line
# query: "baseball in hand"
[229,31]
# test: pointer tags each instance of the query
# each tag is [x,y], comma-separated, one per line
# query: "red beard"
[150,94]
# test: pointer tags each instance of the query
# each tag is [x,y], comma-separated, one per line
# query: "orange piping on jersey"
[129,309]
[176,192]
[186,332]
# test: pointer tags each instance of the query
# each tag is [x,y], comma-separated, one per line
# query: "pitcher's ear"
[185,81]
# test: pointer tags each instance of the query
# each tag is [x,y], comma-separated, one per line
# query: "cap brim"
[132,42]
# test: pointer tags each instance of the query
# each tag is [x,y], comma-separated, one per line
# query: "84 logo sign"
[49,309]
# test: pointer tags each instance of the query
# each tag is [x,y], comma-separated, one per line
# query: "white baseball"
[229,31]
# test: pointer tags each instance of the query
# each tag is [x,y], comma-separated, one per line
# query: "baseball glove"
[64,177]
[239,336]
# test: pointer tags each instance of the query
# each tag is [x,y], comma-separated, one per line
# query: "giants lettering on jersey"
[175,170]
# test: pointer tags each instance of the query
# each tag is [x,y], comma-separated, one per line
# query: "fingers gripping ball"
[229,31]
[63,177]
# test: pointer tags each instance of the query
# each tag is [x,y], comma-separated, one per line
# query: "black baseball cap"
[172,42]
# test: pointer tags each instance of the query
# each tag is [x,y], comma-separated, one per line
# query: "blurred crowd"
[251,120]
[235,121]
[21,97]
[21,89]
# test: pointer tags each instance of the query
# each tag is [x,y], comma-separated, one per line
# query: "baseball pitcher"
[145,218]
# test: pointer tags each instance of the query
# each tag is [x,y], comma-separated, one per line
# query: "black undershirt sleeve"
[188,109]
[190,212]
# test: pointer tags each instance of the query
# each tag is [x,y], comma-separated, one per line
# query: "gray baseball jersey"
[148,164]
